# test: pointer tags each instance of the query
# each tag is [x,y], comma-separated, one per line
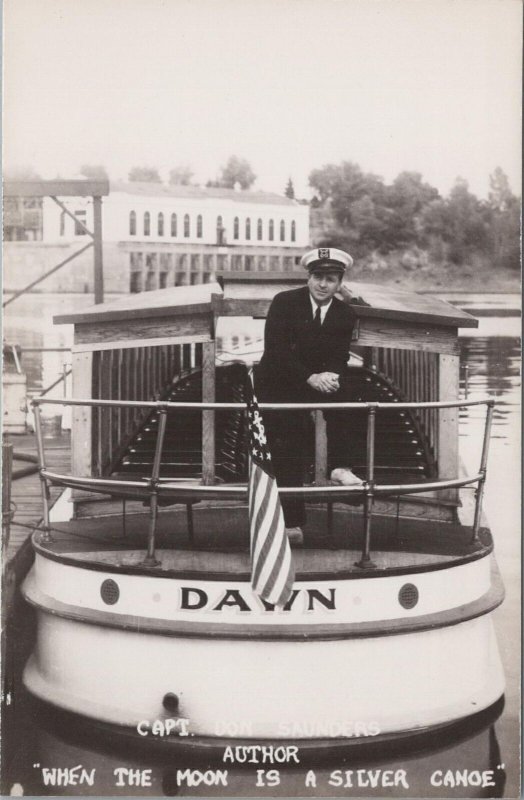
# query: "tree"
[504,210]
[357,204]
[181,175]
[96,172]
[407,197]
[147,174]
[237,170]
[290,190]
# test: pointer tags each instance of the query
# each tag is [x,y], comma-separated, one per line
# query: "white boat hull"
[302,674]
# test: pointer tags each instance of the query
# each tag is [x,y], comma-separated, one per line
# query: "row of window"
[160,227]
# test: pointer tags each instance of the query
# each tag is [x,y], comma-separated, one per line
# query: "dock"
[26,506]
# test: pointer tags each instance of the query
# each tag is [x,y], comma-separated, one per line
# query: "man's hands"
[325,382]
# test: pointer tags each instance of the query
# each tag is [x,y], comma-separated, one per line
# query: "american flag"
[272,572]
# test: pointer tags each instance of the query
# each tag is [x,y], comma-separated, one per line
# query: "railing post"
[150,560]
[466,381]
[7,474]
[46,530]
[98,255]
[479,494]
[320,449]
[208,416]
[365,561]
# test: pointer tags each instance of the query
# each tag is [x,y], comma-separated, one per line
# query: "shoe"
[295,536]
[345,477]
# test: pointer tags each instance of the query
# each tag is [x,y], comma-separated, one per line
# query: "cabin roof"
[248,294]
[175,300]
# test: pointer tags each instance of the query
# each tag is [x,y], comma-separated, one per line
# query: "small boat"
[146,617]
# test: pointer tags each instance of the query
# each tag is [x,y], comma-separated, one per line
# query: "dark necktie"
[317,322]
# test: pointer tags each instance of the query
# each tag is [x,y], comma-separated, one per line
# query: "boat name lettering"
[196,599]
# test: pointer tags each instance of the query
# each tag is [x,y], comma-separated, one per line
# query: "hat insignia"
[323,252]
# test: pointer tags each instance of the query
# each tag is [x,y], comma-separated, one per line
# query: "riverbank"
[419,275]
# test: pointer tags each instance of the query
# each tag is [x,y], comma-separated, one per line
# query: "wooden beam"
[62,188]
[448,418]
[132,343]
[82,418]
[208,417]
[407,336]
[98,266]
[137,330]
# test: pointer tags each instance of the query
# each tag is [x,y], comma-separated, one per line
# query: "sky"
[431,86]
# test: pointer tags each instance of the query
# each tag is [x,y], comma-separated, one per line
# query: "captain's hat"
[326,259]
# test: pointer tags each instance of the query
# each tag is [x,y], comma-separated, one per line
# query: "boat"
[146,620]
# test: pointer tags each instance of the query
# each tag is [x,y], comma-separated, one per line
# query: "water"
[32,739]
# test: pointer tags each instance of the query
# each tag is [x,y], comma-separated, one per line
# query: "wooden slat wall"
[137,373]
[415,374]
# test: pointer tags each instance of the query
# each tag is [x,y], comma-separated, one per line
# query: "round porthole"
[408,595]
[109,592]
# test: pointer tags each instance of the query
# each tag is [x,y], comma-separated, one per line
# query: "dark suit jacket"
[294,349]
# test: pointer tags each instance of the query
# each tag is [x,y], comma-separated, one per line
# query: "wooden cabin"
[162,345]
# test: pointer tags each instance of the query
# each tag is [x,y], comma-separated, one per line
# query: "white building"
[156,235]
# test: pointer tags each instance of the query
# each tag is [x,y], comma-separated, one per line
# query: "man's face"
[323,285]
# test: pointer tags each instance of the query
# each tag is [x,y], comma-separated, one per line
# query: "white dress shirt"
[323,309]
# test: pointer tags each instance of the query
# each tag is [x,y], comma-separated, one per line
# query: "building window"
[259,229]
[293,231]
[162,280]
[271,230]
[132,223]
[62,223]
[160,224]
[248,228]
[147,224]
[248,263]
[236,228]
[82,218]
[220,231]
[173,225]
[199,226]
[186,226]
[282,230]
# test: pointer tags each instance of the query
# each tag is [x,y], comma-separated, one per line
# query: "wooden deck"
[221,543]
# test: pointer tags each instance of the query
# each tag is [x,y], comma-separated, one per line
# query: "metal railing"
[153,487]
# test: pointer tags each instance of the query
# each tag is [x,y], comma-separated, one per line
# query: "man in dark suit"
[306,349]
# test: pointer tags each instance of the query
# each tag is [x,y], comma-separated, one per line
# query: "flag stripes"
[272,573]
